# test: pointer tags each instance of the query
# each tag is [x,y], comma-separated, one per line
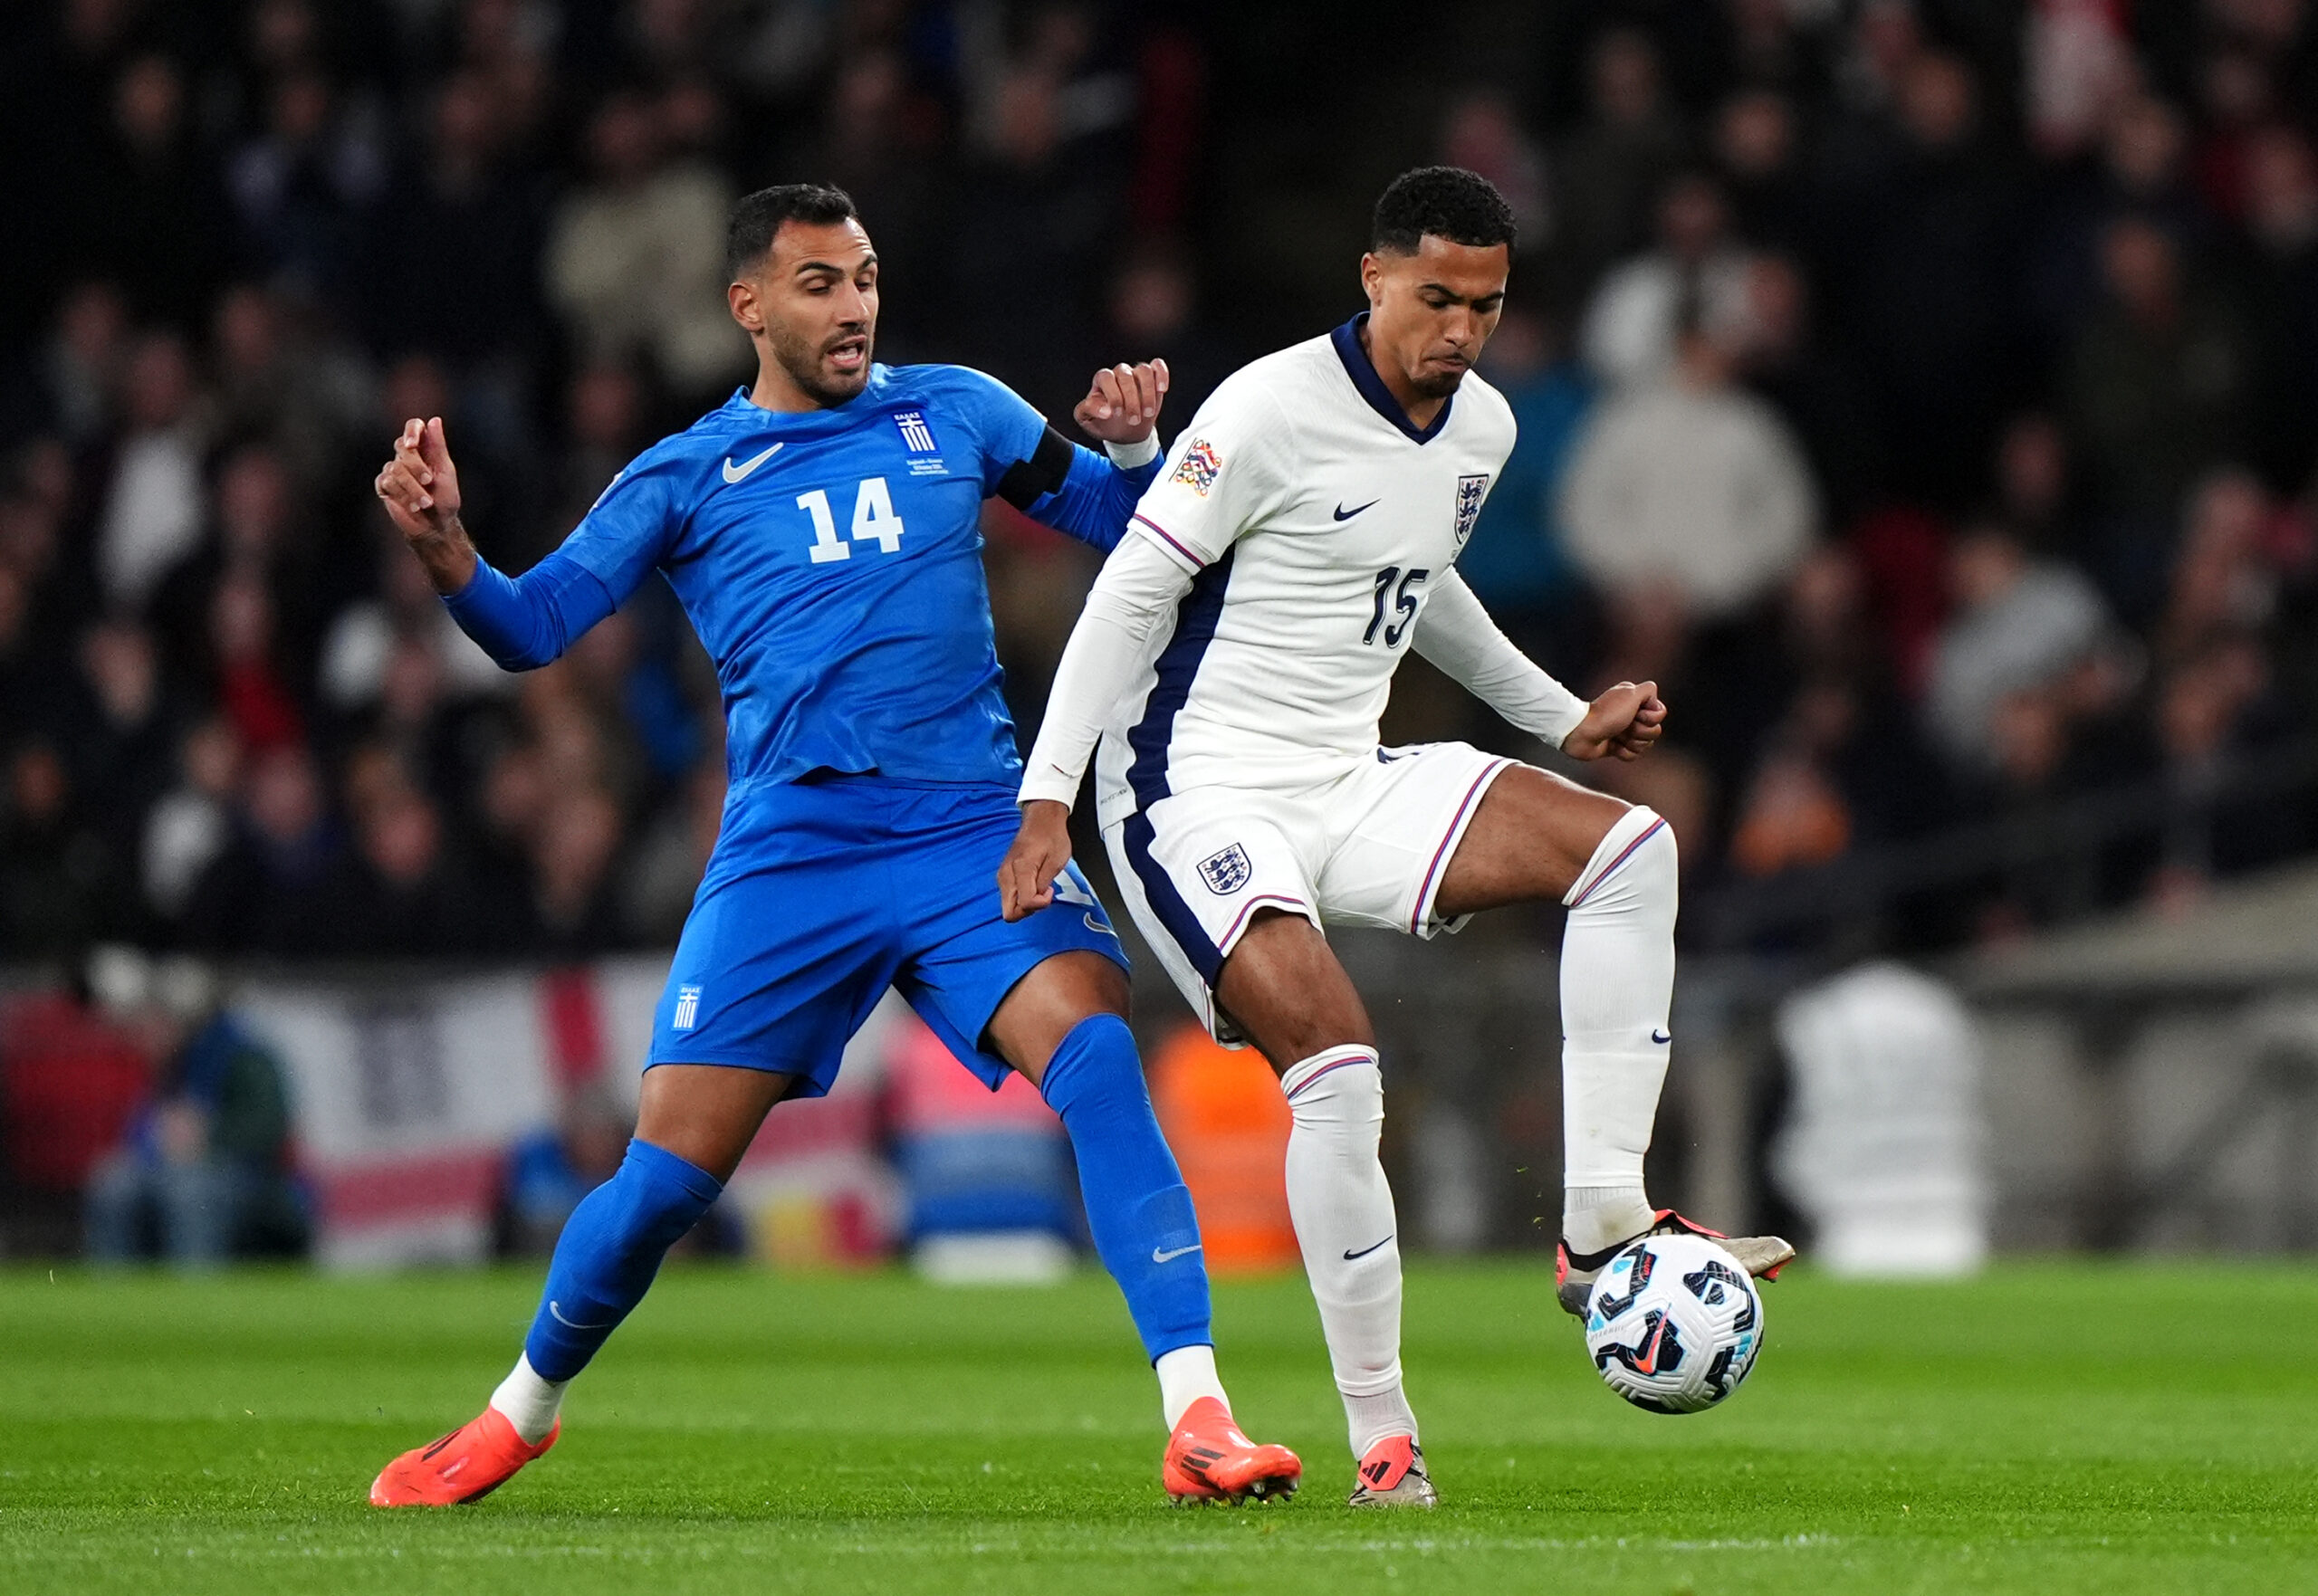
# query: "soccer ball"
[1675,1323]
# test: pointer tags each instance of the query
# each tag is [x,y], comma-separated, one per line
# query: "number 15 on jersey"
[1397,589]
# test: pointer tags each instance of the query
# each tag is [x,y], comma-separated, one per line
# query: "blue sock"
[1136,1202]
[610,1248]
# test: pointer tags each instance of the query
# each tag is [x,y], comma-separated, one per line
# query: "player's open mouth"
[850,354]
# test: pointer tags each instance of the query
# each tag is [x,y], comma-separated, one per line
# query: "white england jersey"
[1317,523]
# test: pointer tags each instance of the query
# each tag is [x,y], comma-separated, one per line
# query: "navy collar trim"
[1362,372]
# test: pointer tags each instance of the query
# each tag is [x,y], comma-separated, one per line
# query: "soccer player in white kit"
[1233,659]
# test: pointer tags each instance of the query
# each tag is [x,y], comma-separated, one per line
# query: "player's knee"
[1657,853]
[1094,1062]
[1342,1087]
[1637,868]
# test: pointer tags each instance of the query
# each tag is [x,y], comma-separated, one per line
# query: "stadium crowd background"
[1926,394]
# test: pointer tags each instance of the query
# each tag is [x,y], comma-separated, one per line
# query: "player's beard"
[1438,385]
[802,362]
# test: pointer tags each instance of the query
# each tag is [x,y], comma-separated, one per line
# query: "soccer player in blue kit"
[821,529]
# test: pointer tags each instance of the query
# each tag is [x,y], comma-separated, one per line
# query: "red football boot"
[1393,1476]
[465,1466]
[1209,1460]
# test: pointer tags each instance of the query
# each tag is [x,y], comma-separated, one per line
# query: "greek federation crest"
[1227,872]
[917,437]
[1470,491]
[1197,469]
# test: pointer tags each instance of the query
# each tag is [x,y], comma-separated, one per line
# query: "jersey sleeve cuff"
[1137,455]
[1043,782]
[1566,719]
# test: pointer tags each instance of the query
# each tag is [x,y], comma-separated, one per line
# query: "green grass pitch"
[2053,1427]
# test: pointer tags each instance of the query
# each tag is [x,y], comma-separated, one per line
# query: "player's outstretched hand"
[1041,848]
[419,484]
[1122,403]
[420,489]
[1621,724]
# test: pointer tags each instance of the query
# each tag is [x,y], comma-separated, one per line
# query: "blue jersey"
[831,562]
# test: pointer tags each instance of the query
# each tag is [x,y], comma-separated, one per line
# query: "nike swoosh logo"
[1168,1257]
[1364,1251]
[1661,1038]
[572,1323]
[1649,1365]
[734,473]
[1344,514]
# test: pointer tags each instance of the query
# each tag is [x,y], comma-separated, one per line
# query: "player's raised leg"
[1283,988]
[1063,1026]
[692,1125]
[1614,865]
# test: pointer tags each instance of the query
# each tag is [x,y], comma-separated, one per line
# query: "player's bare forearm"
[448,555]
[420,489]
[1039,851]
[1621,723]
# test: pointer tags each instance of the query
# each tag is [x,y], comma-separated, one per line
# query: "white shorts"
[1368,848]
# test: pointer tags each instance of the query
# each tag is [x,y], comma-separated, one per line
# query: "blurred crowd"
[1925,394]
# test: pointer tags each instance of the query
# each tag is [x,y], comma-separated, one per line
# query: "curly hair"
[1448,202]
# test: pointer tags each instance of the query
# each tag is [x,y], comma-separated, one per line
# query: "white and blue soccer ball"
[1674,1323]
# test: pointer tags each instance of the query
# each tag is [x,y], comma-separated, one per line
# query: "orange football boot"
[465,1466]
[1209,1460]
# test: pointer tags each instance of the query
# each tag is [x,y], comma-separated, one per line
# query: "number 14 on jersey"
[874,521]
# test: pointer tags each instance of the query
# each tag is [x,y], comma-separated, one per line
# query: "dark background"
[2030,293]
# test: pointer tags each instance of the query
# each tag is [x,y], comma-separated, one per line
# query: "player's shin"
[1343,1210]
[605,1260]
[1617,982]
[1137,1205]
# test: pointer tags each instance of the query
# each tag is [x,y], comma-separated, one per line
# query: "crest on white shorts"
[1470,491]
[1227,872]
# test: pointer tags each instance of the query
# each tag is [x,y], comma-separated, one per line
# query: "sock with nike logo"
[1343,1209]
[1137,1205]
[1617,982]
[610,1250]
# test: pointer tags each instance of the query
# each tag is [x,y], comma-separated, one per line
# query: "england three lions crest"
[1227,872]
[1470,491]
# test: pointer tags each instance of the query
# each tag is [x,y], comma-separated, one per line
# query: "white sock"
[1343,1210]
[1185,1375]
[1595,1217]
[530,1402]
[1373,1419]
[1617,984]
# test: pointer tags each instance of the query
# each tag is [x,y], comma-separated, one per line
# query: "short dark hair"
[757,219]
[1448,202]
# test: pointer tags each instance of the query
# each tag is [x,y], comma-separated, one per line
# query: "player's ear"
[1372,278]
[741,297]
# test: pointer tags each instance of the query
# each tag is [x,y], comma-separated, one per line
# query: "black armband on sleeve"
[1028,481]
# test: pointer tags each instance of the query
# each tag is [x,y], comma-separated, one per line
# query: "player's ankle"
[1595,1217]
[529,1401]
[1185,1375]
[1369,1419]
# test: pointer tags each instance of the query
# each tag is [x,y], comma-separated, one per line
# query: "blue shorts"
[821,894]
